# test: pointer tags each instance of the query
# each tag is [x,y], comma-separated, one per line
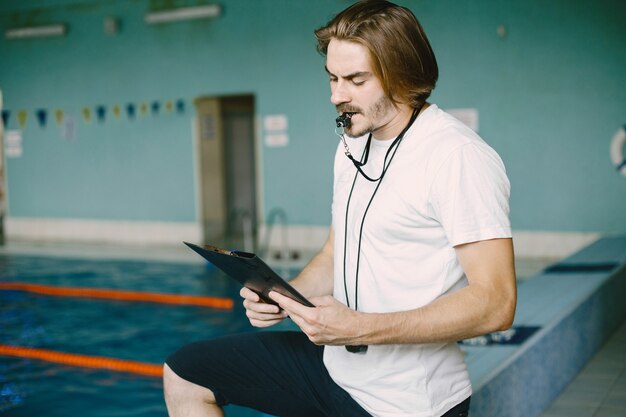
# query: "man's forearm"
[466,313]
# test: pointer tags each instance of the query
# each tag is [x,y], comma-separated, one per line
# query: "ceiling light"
[36,32]
[184,13]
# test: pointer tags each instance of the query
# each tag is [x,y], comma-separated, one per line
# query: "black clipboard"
[250,271]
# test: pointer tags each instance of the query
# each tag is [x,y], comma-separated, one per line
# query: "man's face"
[355,89]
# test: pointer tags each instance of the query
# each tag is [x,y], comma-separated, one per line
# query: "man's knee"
[179,389]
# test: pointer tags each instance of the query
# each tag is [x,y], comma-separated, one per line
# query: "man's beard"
[375,113]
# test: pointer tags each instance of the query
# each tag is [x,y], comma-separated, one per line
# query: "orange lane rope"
[195,300]
[85,361]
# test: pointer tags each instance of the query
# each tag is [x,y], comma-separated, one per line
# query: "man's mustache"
[348,109]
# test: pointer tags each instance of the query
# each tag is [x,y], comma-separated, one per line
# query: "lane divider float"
[83,361]
[110,294]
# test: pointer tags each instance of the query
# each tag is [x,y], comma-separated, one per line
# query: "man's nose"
[339,94]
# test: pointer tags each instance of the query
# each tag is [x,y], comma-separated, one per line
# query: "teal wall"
[550,95]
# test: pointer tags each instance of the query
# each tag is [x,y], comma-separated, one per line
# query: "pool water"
[138,331]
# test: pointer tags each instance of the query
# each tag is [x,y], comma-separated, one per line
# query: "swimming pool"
[129,330]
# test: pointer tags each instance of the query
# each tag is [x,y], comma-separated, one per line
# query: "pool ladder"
[246,228]
[276,217]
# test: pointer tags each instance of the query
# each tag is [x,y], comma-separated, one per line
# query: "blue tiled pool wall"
[541,368]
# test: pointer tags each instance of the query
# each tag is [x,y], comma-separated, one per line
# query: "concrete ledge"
[546,244]
[101,231]
[577,311]
[293,237]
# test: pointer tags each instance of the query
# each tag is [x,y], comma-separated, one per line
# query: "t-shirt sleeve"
[469,195]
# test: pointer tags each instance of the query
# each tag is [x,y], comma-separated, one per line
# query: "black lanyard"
[393,148]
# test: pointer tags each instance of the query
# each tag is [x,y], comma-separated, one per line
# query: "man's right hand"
[260,313]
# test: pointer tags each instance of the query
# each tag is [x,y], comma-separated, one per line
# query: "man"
[419,254]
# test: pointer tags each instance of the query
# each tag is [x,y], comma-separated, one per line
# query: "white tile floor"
[599,390]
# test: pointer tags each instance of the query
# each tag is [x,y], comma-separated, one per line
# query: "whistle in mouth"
[343,121]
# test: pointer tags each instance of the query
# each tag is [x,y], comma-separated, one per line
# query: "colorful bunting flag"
[42,117]
[58,116]
[154,108]
[6,114]
[22,117]
[101,112]
[180,106]
[130,111]
[117,111]
[86,112]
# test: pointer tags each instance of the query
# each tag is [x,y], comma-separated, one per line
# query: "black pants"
[278,373]
[460,410]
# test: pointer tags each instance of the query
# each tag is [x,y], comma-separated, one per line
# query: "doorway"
[228,170]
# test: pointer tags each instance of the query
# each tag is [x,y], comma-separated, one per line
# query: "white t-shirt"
[444,187]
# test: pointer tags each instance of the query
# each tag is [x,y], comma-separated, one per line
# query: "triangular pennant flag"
[117,111]
[130,110]
[143,109]
[42,117]
[22,116]
[155,107]
[169,106]
[180,106]
[58,116]
[86,111]
[5,117]
[101,112]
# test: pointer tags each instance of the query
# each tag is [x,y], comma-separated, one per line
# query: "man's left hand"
[328,323]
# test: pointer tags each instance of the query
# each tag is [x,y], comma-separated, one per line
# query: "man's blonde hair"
[399,51]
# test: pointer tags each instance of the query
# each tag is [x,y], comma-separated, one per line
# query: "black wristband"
[357,348]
